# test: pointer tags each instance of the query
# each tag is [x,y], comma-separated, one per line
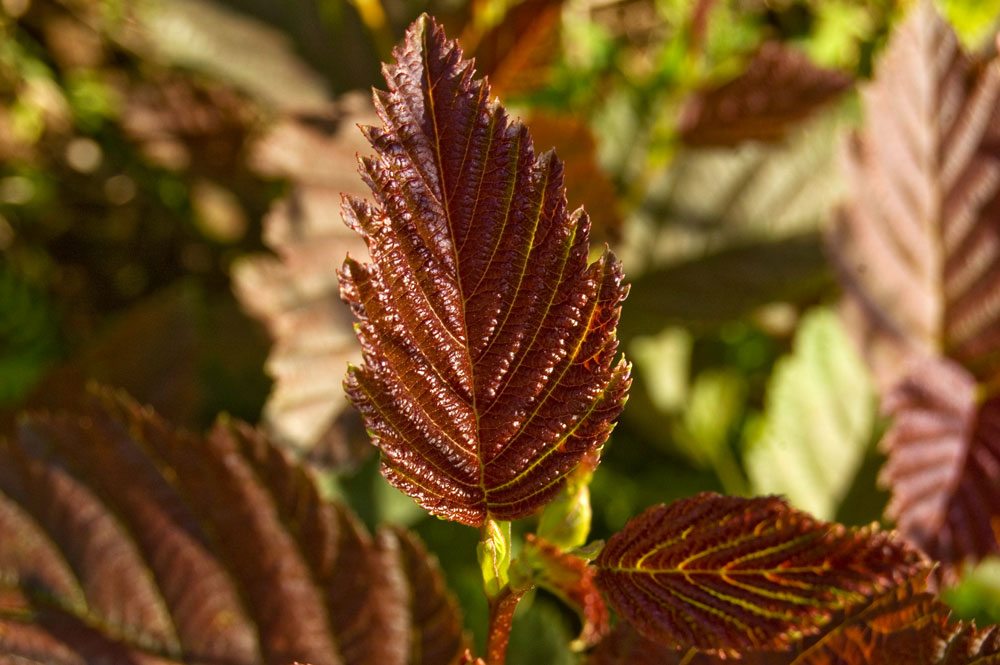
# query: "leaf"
[916,242]
[727,573]
[487,339]
[779,88]
[572,579]
[723,286]
[944,464]
[916,248]
[903,625]
[516,54]
[586,181]
[818,422]
[295,293]
[128,541]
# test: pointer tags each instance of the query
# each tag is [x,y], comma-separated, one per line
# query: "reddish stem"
[501,616]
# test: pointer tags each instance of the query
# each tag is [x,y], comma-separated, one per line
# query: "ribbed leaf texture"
[488,339]
[779,88]
[728,573]
[904,625]
[944,464]
[918,251]
[918,242]
[125,541]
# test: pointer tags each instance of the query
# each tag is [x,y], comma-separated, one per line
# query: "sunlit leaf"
[586,182]
[819,420]
[488,341]
[295,293]
[917,243]
[779,88]
[127,541]
[728,573]
[918,251]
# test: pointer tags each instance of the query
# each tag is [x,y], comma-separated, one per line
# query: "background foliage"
[171,169]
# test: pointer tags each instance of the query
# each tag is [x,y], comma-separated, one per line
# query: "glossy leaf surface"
[728,573]
[127,541]
[918,241]
[488,339]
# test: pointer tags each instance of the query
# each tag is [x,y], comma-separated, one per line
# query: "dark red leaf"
[488,340]
[127,541]
[779,88]
[728,573]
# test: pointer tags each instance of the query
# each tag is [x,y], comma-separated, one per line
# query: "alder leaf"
[944,464]
[488,340]
[917,243]
[295,293]
[727,573]
[917,247]
[779,88]
[818,422]
[127,541]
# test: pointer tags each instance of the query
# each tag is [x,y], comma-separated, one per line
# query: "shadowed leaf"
[128,541]
[944,463]
[488,340]
[572,579]
[917,247]
[819,420]
[516,53]
[727,573]
[779,88]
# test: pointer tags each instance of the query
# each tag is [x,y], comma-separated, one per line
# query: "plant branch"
[502,608]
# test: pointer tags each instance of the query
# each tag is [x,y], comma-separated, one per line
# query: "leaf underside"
[779,88]
[488,340]
[126,541]
[917,248]
[728,573]
[918,243]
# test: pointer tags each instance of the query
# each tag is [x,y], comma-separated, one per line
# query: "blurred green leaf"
[29,341]
[726,285]
[663,360]
[818,421]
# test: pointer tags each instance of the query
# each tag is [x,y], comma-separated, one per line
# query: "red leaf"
[487,339]
[916,243]
[779,88]
[944,464]
[572,579]
[127,541]
[917,251]
[727,573]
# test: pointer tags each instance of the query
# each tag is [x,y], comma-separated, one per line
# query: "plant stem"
[502,608]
